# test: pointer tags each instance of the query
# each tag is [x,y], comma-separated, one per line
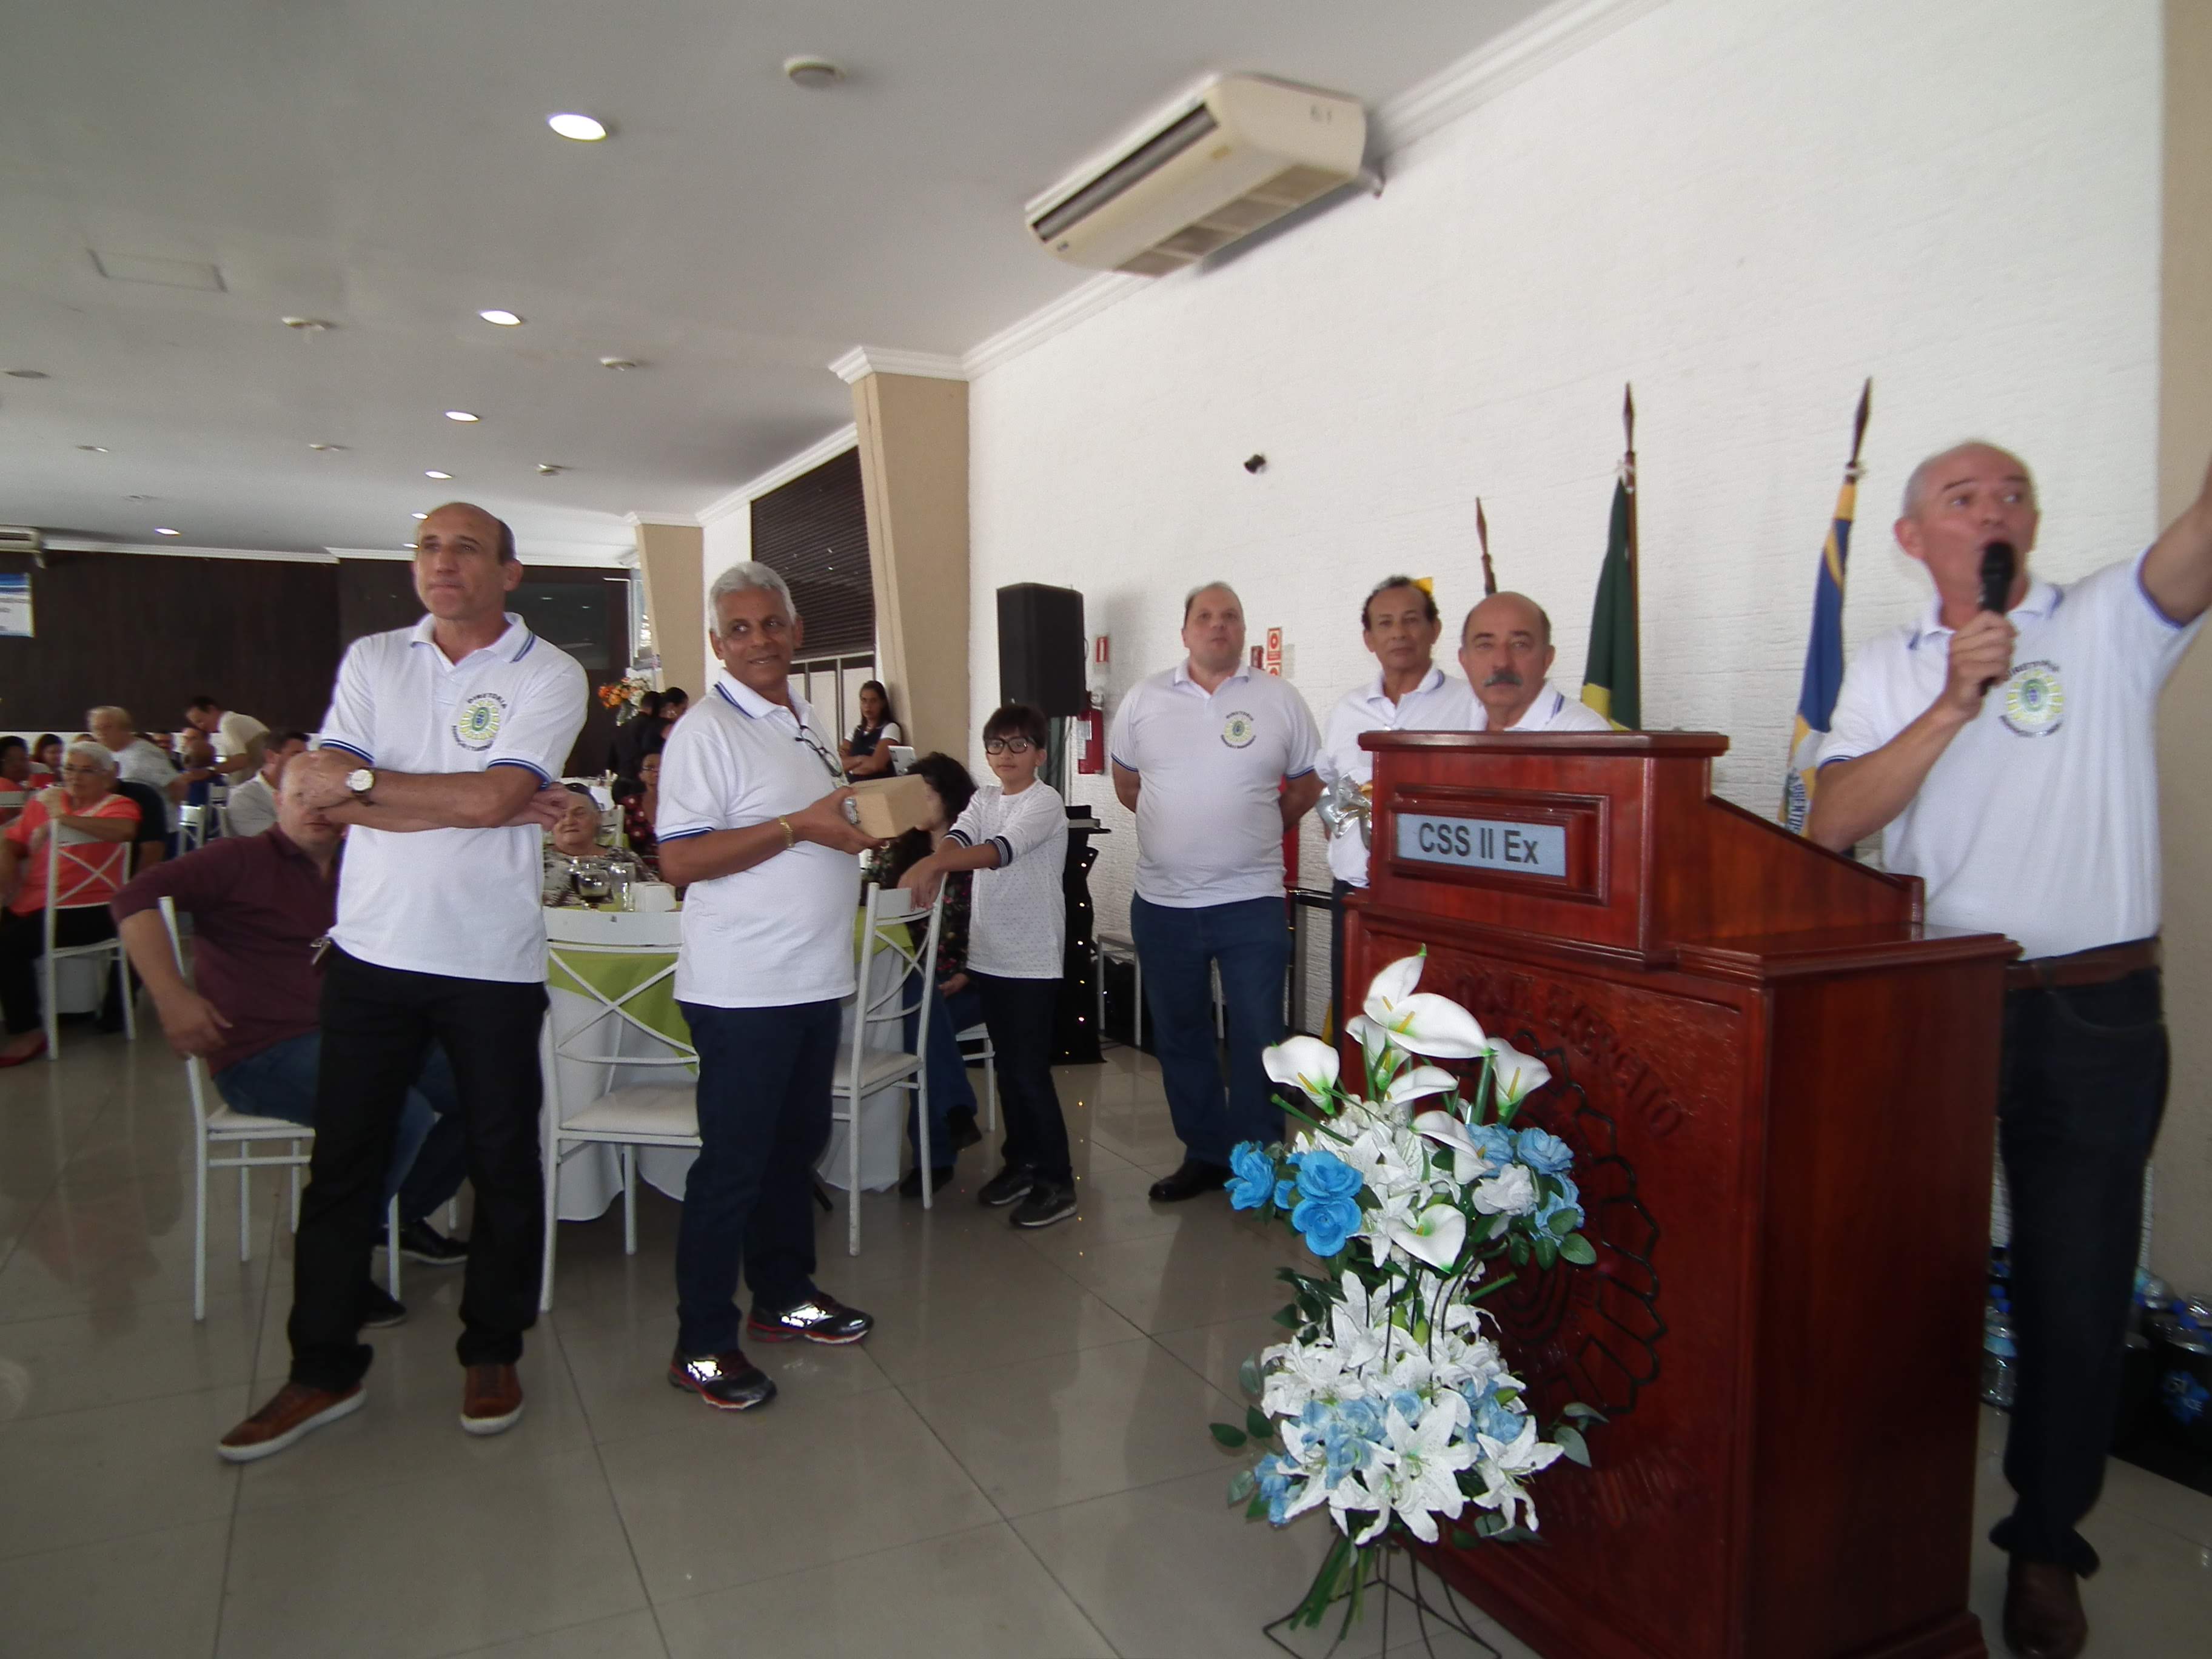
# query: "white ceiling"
[385,164]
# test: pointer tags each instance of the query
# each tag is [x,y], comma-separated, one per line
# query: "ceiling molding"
[1496,67]
[578,555]
[1484,73]
[844,438]
[170,550]
[682,521]
[865,360]
[1087,300]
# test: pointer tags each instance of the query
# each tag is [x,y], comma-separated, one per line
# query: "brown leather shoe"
[296,1409]
[2042,1616]
[491,1400]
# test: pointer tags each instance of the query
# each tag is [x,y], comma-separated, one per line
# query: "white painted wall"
[726,541]
[1744,207]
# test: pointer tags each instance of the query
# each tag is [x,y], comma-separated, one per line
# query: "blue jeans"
[765,1078]
[950,1090]
[1250,941]
[279,1082]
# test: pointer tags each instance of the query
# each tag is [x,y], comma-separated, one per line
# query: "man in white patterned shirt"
[1014,837]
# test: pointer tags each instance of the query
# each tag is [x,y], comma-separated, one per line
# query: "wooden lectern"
[1781,1092]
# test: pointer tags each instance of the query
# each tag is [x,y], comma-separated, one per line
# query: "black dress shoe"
[2042,1616]
[727,1380]
[420,1241]
[1194,1176]
[910,1182]
[380,1309]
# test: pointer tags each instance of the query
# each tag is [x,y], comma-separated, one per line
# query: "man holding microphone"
[2012,753]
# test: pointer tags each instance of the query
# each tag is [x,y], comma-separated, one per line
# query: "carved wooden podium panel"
[1780,1090]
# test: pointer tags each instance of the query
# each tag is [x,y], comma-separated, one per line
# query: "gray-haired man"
[752,821]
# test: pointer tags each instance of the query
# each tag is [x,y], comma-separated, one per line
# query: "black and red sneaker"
[727,1380]
[820,1318]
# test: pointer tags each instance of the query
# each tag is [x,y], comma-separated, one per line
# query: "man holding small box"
[753,824]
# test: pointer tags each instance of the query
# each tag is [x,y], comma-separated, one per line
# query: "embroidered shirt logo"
[1238,729]
[2034,700]
[478,721]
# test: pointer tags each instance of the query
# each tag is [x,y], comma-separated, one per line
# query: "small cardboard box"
[891,806]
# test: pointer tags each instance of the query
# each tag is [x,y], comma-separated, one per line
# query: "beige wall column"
[671,556]
[914,476]
[2181,1244]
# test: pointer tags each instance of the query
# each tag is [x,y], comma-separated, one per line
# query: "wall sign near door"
[1534,850]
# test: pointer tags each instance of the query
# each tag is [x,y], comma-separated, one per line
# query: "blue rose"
[1493,1142]
[1568,1198]
[1547,1154]
[1327,1223]
[1500,1422]
[1286,1193]
[1274,1487]
[1324,1175]
[1254,1180]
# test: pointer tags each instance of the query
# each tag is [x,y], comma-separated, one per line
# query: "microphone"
[1998,564]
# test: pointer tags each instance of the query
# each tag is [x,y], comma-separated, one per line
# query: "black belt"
[2101,966]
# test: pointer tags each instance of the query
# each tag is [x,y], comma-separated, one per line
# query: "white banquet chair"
[628,1117]
[863,1070]
[77,863]
[214,1124]
[975,1044]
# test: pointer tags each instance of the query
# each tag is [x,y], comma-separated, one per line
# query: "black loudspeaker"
[1041,653]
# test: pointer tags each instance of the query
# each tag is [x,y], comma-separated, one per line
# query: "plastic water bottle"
[2000,1360]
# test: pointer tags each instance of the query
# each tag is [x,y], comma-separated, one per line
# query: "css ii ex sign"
[1530,849]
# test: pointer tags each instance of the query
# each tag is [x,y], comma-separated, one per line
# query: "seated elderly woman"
[86,804]
[576,865]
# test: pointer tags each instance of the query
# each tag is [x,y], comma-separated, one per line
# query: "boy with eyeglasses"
[1014,837]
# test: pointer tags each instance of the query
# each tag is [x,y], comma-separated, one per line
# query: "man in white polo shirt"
[1217,763]
[1399,623]
[438,753]
[237,737]
[752,824]
[2013,758]
[1505,652]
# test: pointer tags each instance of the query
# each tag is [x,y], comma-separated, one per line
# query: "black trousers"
[23,941]
[1019,1014]
[377,1025]
[2081,1092]
[1337,890]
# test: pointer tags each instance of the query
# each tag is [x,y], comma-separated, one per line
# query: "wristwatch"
[360,781]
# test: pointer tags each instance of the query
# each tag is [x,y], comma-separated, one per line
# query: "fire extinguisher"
[1091,746]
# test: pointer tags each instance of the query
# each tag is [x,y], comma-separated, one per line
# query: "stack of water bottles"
[2180,1333]
[2000,1347]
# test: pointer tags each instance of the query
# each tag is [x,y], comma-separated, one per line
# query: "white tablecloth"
[590,1177]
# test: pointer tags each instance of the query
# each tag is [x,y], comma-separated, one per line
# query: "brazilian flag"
[1611,681]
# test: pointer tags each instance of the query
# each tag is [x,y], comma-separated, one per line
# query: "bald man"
[1505,652]
[2012,757]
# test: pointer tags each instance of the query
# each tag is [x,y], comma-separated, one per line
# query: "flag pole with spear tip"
[1482,531]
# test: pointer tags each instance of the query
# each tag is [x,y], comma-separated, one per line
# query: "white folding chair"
[975,1045]
[81,871]
[863,1071]
[215,1124]
[637,1114]
[218,806]
[12,802]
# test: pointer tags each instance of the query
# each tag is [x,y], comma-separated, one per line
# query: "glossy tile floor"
[1016,1463]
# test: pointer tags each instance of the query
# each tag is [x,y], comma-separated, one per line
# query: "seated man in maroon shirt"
[260,907]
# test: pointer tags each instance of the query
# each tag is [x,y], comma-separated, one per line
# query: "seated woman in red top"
[86,878]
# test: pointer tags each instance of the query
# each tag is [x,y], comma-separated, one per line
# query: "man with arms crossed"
[438,753]
[1217,761]
[1399,623]
[752,824]
[2013,758]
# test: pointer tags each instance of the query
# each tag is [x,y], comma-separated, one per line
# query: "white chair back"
[12,802]
[198,1082]
[83,873]
[887,931]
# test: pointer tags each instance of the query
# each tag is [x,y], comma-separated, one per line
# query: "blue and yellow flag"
[1824,648]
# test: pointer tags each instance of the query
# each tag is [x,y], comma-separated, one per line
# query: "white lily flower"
[1434,1026]
[1304,1063]
[1517,1075]
[1511,1191]
[1421,1081]
[1373,1039]
[1423,1479]
[1436,1234]
[1442,1127]
[1393,985]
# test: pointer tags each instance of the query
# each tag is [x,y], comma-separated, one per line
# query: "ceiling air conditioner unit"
[1237,154]
[20,538]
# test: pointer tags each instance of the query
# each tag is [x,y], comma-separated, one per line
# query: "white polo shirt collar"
[2037,604]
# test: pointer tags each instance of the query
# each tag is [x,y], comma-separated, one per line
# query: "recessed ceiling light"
[813,73]
[407,546]
[422,515]
[582,128]
[325,449]
[435,473]
[618,362]
[27,374]
[164,530]
[311,324]
[547,469]
[461,415]
[504,319]
[94,449]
